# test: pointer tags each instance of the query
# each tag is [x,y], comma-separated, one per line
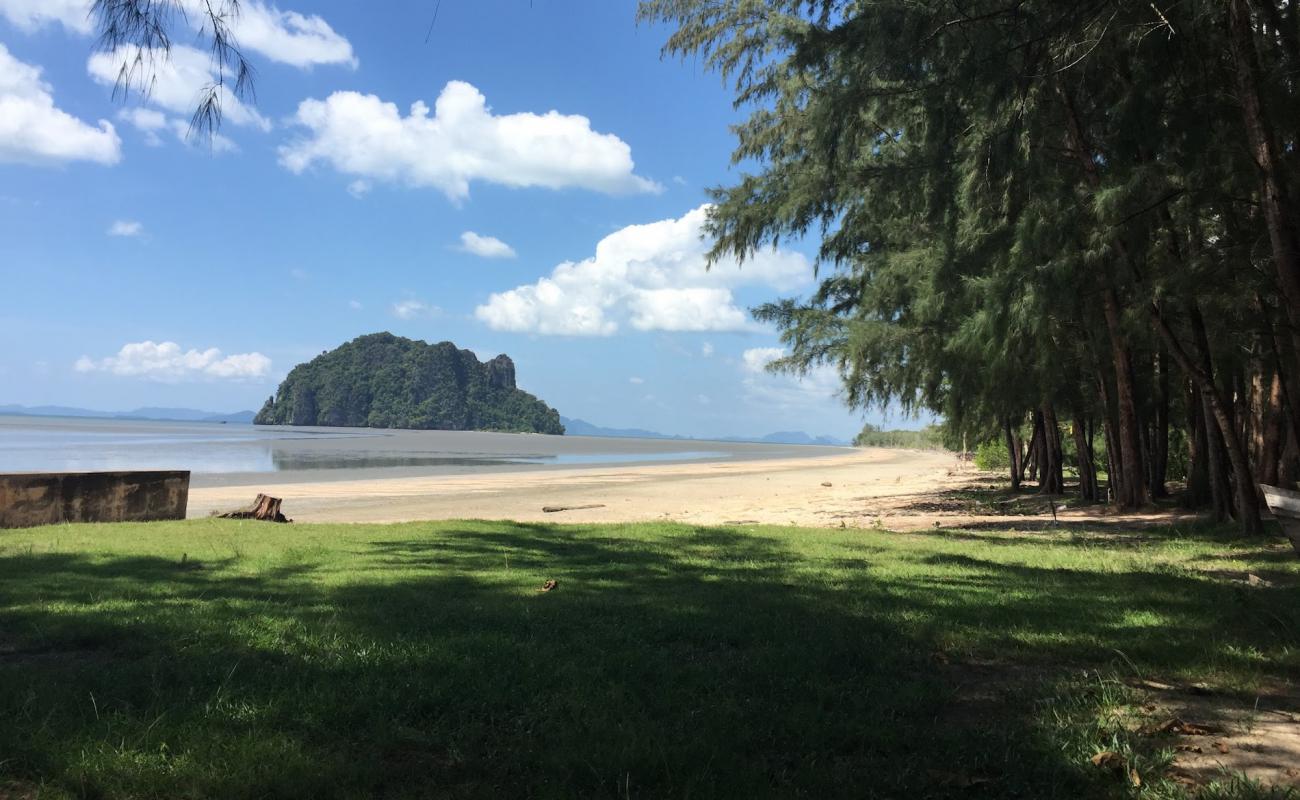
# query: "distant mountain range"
[578,427]
[152,414]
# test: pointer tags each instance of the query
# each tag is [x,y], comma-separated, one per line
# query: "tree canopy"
[1033,215]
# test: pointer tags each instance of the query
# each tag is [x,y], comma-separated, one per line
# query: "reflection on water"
[32,445]
[283,461]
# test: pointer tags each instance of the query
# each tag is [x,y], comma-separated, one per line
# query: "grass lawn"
[242,659]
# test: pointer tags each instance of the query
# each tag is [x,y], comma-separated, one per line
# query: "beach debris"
[827,484]
[555,509]
[549,585]
[264,508]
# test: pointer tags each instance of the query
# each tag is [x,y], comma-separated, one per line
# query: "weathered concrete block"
[48,498]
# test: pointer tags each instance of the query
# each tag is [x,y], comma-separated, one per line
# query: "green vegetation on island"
[386,381]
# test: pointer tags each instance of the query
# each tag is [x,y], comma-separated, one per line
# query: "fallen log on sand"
[553,509]
[264,508]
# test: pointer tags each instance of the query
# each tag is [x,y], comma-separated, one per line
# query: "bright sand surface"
[773,491]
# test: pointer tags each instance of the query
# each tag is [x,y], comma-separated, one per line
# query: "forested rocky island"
[386,381]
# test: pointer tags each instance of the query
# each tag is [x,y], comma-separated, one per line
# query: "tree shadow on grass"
[696,661]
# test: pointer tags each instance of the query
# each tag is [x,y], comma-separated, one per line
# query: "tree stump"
[264,507]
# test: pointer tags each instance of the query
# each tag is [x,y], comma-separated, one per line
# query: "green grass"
[242,659]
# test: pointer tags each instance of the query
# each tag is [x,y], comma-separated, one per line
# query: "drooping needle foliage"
[1070,226]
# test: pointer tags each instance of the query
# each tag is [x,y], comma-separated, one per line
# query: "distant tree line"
[931,437]
[1069,226]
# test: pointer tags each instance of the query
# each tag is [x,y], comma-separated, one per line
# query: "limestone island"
[386,381]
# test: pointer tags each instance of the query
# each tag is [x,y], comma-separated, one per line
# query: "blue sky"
[529,181]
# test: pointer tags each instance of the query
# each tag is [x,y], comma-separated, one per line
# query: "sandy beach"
[862,486]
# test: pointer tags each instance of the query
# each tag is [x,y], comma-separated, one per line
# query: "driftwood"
[265,508]
[553,509]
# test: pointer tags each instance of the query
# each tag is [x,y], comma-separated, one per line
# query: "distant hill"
[386,381]
[578,427]
[150,414]
[799,437]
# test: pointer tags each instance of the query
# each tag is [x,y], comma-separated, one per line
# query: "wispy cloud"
[126,227]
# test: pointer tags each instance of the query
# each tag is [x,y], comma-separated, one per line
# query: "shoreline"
[779,491]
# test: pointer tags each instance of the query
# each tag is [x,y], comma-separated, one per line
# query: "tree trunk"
[1129,486]
[1034,454]
[1197,494]
[1084,459]
[1160,434]
[1052,476]
[1275,199]
[1270,431]
[1131,491]
[1013,455]
[1218,409]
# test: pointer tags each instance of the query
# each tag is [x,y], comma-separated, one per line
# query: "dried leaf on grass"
[1108,759]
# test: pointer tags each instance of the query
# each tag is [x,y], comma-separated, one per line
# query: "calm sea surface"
[60,444]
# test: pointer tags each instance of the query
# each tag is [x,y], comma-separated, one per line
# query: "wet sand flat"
[770,491]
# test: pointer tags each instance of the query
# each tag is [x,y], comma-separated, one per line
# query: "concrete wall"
[49,498]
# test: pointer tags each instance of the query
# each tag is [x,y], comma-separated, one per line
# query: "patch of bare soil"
[1217,736]
[19,791]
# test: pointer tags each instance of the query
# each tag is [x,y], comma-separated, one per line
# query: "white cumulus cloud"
[462,141]
[175,82]
[485,246]
[126,227]
[35,131]
[152,122]
[167,362]
[786,391]
[287,37]
[651,277]
[28,15]
[756,359]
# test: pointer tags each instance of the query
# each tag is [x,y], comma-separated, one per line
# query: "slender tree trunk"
[1220,486]
[1052,476]
[1013,454]
[1271,432]
[1084,459]
[1035,447]
[1129,487]
[1217,409]
[1160,438]
[1131,490]
[1197,494]
[1108,427]
[1275,199]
